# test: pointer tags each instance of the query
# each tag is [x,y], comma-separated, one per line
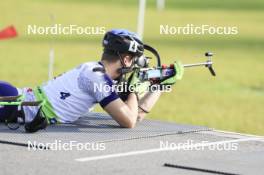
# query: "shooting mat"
[96,127]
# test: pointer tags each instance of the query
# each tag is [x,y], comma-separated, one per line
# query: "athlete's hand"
[134,85]
[179,71]
[139,87]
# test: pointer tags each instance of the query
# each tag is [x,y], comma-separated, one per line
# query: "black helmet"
[123,41]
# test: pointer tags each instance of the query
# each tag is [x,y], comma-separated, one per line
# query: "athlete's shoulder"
[90,65]
[92,69]
[93,72]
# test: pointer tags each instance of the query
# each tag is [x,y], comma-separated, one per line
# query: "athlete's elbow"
[130,123]
[130,126]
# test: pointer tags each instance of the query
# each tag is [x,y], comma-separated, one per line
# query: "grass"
[232,101]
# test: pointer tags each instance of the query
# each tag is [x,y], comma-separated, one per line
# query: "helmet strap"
[124,70]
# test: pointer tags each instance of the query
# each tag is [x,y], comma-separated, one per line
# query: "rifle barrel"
[198,64]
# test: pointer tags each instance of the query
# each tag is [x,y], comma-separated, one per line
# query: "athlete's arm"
[146,103]
[124,113]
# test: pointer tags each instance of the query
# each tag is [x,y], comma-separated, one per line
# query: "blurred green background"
[234,100]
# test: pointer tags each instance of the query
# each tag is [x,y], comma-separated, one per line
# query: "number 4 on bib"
[64,95]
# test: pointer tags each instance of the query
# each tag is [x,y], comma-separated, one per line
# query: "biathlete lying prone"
[67,97]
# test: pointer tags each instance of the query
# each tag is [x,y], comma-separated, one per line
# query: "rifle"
[161,72]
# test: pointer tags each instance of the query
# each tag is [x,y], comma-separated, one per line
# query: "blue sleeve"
[113,96]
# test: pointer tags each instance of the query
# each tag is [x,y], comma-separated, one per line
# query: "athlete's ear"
[127,59]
